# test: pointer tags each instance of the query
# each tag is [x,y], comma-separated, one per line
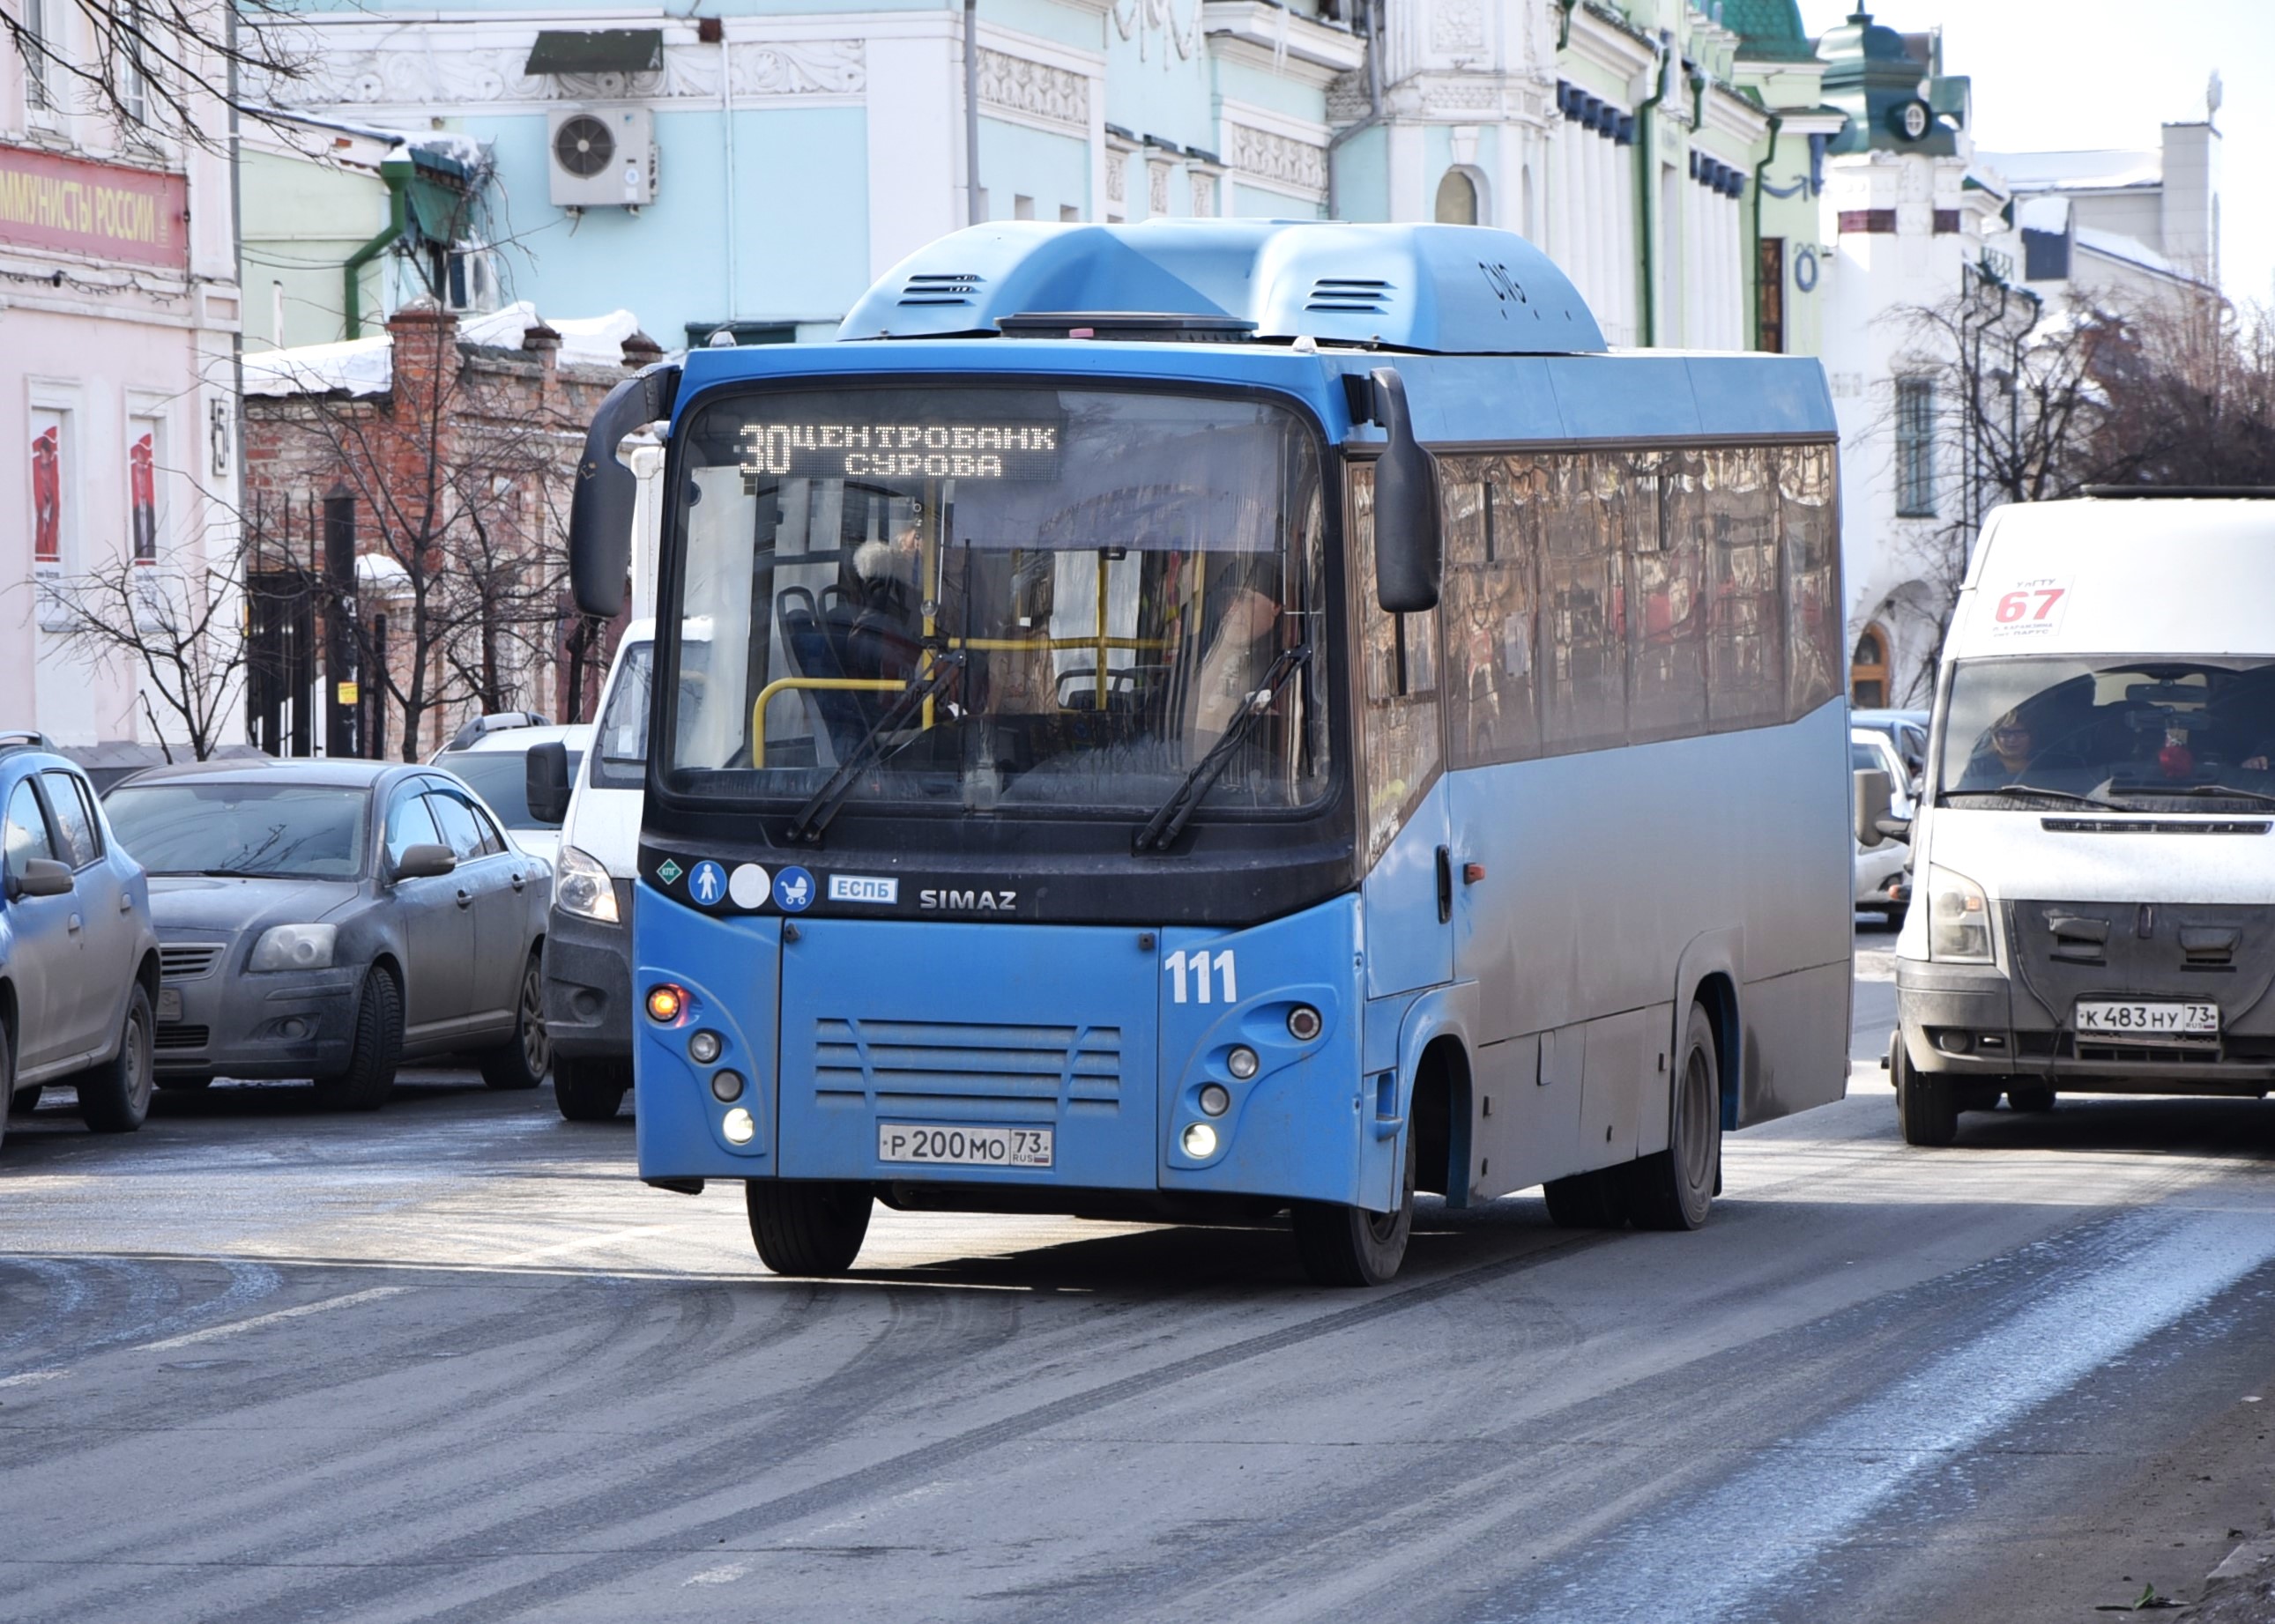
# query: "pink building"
[118,317]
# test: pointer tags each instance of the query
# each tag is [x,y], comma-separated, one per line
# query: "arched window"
[1457,199]
[1868,671]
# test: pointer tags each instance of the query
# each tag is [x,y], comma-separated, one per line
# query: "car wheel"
[803,1227]
[1673,1188]
[1349,1245]
[115,1096]
[590,1091]
[7,1077]
[2031,1097]
[1927,1109]
[26,1101]
[369,1076]
[523,1060]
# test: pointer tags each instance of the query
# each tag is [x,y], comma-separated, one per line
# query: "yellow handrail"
[839,684]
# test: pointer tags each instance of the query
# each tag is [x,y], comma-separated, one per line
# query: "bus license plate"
[965,1147]
[2124,1020]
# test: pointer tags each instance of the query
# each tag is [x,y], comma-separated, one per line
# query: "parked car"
[1906,732]
[492,754]
[78,958]
[588,971]
[330,919]
[1882,871]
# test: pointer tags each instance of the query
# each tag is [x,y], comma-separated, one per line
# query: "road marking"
[727,1575]
[26,1379]
[215,1332]
[1733,1541]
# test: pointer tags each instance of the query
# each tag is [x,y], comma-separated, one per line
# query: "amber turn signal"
[664,1003]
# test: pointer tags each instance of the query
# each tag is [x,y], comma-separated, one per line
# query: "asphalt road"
[453,1362]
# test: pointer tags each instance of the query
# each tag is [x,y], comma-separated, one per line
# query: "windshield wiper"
[1166,823]
[2059,795]
[822,806]
[2199,790]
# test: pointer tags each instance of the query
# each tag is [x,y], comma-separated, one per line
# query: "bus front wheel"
[1350,1246]
[808,1228]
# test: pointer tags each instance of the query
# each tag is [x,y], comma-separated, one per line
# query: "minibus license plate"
[965,1147]
[2123,1020]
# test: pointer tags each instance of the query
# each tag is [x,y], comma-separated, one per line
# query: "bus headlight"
[1304,1022]
[704,1047]
[1201,1141]
[1216,1100]
[581,885]
[1240,1062]
[1958,918]
[726,1085]
[738,1126]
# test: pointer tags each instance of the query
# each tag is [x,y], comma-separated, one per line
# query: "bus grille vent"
[1350,296]
[940,288]
[918,1064]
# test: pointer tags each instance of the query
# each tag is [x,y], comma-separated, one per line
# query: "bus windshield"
[2154,734]
[1090,586]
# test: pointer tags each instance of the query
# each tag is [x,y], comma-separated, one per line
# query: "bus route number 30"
[1193,972]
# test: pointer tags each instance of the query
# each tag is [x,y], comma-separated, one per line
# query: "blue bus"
[1208,721]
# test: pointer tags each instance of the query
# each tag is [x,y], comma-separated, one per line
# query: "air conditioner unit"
[601,157]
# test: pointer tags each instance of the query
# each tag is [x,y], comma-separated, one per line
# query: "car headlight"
[581,885]
[1958,918]
[295,946]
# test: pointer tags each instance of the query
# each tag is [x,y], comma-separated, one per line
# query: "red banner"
[96,211]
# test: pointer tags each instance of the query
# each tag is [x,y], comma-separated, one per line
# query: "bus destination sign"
[938,450]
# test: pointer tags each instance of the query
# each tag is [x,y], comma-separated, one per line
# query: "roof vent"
[941,288]
[1349,296]
[1128,326]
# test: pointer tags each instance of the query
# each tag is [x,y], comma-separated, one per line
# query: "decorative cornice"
[418,76]
[1278,160]
[1035,89]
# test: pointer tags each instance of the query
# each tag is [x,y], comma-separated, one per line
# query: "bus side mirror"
[1874,796]
[545,775]
[1406,542]
[602,505]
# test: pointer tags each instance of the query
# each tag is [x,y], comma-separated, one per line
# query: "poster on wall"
[142,495]
[47,489]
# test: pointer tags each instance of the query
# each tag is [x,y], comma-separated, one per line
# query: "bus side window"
[1745,650]
[1491,619]
[1812,554]
[1582,598]
[1400,710]
[1667,602]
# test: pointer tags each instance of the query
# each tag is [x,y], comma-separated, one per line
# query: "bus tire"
[807,1226]
[369,1076]
[115,1096]
[1588,1200]
[1673,1188]
[1349,1245]
[2032,1097]
[588,1089]
[1926,1108]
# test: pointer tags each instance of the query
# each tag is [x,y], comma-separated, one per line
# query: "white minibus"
[2096,845]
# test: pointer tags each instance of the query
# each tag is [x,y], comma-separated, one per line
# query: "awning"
[596,50]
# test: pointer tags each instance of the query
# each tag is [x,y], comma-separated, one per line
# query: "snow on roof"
[2115,245]
[357,367]
[366,365]
[2043,214]
[2077,172]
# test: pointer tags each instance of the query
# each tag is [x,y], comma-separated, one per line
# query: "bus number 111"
[1181,965]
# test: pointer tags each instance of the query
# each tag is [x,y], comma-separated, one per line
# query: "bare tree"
[165,64]
[2191,399]
[181,625]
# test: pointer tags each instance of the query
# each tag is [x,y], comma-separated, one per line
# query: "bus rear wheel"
[1673,1188]
[1349,1245]
[1927,1106]
[807,1226]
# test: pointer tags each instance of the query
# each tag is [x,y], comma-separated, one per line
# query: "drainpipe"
[1761,170]
[1564,26]
[397,173]
[971,112]
[1646,184]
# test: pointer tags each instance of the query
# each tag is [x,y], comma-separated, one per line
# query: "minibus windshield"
[2142,734]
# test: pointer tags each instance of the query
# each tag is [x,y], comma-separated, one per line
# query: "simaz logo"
[969,902]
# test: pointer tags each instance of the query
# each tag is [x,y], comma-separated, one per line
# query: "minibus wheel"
[1673,1189]
[1927,1108]
[1349,1245]
[807,1226]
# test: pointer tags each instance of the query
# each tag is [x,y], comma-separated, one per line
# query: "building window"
[1916,447]
[145,457]
[1457,199]
[133,78]
[1068,214]
[1868,671]
[52,517]
[38,39]
[1770,291]
[1023,207]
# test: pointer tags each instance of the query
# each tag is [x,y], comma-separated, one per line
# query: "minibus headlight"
[1958,918]
[581,885]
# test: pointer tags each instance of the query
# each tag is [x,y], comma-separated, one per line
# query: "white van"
[2095,847]
[588,978]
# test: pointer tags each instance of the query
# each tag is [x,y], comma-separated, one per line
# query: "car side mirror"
[1875,794]
[1406,539]
[42,877]
[544,771]
[424,861]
